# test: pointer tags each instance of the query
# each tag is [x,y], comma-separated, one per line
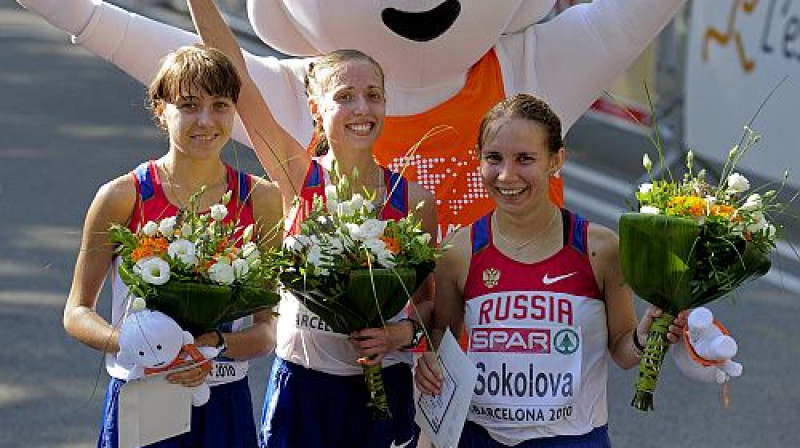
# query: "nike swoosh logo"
[547,280]
[393,445]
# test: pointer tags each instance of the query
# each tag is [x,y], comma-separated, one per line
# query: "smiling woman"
[535,285]
[192,98]
[319,373]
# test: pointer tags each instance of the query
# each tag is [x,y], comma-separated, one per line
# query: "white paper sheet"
[151,409]
[442,417]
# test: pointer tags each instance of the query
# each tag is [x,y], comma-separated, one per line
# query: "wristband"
[221,344]
[418,334]
[637,345]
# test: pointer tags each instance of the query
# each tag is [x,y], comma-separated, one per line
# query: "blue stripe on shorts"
[305,408]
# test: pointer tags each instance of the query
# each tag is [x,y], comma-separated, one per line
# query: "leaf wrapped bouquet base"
[201,307]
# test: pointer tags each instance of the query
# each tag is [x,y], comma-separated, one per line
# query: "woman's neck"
[189,176]
[521,226]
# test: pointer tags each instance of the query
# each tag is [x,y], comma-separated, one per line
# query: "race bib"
[525,374]
[307,320]
[227,371]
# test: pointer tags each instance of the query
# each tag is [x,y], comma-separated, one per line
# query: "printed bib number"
[526,374]
[227,371]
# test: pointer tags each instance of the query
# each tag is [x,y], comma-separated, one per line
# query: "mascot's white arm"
[571,59]
[136,44]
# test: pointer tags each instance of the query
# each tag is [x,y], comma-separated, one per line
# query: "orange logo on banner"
[713,34]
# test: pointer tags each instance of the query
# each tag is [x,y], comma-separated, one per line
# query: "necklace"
[173,187]
[517,247]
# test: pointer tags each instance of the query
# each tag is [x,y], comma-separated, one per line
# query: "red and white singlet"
[152,205]
[537,333]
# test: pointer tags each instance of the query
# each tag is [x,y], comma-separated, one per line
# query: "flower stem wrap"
[650,364]
[378,400]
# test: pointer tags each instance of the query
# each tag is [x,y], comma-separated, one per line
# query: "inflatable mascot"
[446,62]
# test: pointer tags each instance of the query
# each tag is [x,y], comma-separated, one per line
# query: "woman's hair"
[192,67]
[527,107]
[316,84]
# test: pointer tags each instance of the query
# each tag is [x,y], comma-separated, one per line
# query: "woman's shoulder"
[116,199]
[265,193]
[417,193]
[263,186]
[459,243]
[603,242]
[119,189]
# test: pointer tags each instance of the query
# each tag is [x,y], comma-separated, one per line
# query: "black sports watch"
[417,335]
[221,344]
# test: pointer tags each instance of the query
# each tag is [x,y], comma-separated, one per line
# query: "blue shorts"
[305,408]
[225,421]
[475,436]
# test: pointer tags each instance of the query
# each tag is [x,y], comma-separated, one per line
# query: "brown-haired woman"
[316,396]
[541,294]
[193,100]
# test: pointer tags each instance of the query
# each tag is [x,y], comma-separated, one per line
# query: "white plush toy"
[446,62]
[153,342]
[707,350]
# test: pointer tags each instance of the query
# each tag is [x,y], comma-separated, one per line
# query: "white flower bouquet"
[692,242]
[196,268]
[355,270]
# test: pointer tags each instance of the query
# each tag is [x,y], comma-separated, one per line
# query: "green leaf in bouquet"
[658,258]
[392,290]
[745,263]
[136,285]
[356,307]
[201,307]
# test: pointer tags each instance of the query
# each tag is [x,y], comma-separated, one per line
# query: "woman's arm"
[422,301]
[621,315]
[450,276]
[113,204]
[283,158]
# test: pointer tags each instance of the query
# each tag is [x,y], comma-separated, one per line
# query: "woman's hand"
[373,343]
[191,377]
[428,374]
[675,329]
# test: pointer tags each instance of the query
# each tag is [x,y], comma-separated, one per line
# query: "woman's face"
[352,105]
[516,165]
[199,125]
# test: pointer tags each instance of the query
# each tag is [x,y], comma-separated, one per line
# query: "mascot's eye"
[158,347]
[141,353]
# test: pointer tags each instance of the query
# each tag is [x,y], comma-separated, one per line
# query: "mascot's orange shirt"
[446,162]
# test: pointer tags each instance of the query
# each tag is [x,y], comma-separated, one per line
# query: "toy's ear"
[187,338]
[273,25]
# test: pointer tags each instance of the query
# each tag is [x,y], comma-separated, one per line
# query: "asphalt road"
[69,122]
